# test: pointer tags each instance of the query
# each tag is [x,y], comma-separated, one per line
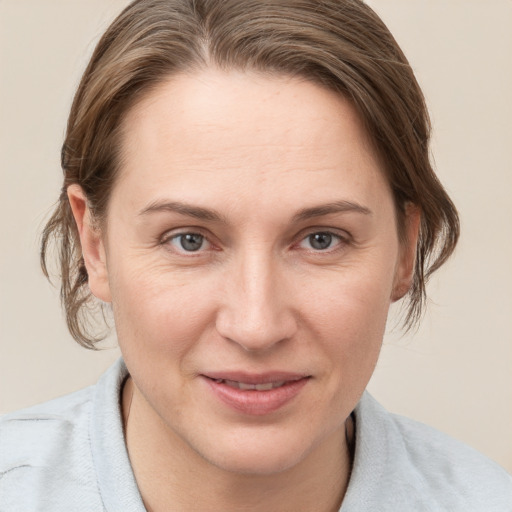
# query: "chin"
[258,453]
[255,462]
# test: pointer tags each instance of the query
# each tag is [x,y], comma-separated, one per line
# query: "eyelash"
[334,237]
[170,238]
[339,241]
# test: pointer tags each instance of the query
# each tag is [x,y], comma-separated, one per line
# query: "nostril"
[256,317]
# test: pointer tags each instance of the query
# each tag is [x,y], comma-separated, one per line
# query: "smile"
[255,395]
[245,386]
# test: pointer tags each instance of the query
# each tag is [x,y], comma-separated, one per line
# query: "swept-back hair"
[339,44]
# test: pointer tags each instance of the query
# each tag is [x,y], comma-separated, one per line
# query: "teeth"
[243,386]
[267,386]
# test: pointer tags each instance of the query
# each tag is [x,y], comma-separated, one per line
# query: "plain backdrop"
[455,373]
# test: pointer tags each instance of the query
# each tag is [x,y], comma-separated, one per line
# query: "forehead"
[245,133]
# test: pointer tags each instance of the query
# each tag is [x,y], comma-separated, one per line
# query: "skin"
[257,296]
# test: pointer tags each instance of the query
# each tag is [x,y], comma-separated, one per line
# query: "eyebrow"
[212,216]
[330,208]
[183,209]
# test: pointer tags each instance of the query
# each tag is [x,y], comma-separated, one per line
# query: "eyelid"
[343,237]
[184,229]
[168,236]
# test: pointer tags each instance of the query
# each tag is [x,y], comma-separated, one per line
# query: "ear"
[92,243]
[407,258]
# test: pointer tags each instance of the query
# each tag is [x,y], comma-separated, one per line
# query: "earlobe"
[407,261]
[92,244]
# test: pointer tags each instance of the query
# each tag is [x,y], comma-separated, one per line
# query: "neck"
[168,471]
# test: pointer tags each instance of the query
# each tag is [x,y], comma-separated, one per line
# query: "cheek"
[354,299]
[348,314]
[157,312]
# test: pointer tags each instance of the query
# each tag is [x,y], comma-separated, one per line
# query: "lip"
[255,378]
[255,402]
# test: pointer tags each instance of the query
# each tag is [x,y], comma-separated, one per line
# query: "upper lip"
[255,378]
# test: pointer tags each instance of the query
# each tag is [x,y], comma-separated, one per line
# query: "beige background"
[455,373]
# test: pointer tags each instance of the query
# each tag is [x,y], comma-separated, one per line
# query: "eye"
[188,242]
[321,241]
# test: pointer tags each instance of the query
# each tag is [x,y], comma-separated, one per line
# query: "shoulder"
[33,432]
[69,455]
[446,463]
[45,452]
[420,468]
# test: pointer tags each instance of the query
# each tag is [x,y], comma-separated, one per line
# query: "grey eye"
[189,242]
[320,241]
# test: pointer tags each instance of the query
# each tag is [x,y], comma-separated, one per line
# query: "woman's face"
[250,240]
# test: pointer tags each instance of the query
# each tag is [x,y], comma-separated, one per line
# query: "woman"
[247,184]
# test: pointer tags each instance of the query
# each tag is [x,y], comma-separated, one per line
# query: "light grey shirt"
[69,455]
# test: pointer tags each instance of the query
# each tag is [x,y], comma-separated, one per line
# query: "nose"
[256,311]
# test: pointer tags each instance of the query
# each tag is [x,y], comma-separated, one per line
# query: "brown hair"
[339,44]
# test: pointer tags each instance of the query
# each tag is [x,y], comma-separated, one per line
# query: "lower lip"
[253,402]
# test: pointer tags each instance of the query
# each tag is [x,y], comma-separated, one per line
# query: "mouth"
[247,386]
[255,394]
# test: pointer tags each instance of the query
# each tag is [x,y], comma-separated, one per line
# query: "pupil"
[191,242]
[320,240]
